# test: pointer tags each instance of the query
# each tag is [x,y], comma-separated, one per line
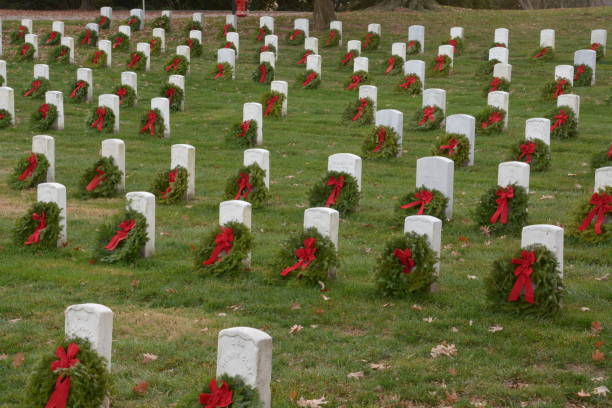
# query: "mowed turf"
[164,306]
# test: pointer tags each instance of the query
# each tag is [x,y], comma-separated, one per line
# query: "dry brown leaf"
[583,394]
[295,329]
[429,319]
[443,349]
[236,308]
[378,366]
[314,403]
[495,328]
[147,357]
[319,311]
[452,371]
[326,298]
[603,277]
[596,328]
[584,309]
[602,390]
[3,357]
[134,283]
[451,397]
[416,307]
[14,321]
[293,395]
[296,306]
[598,355]
[18,359]
[141,388]
[171,290]
[358,375]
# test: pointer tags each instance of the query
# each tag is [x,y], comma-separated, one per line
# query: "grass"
[162,306]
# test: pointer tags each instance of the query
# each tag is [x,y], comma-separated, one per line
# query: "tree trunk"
[411,4]
[324,13]
[87,5]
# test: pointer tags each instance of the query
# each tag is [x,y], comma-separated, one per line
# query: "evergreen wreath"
[333,38]
[599,50]
[410,84]
[453,146]
[120,42]
[370,42]
[101,120]
[193,26]
[382,143]
[195,47]
[264,48]
[583,75]
[544,277]
[325,258]
[100,180]
[427,118]
[43,117]
[563,122]
[243,134]
[155,44]
[440,65]
[393,65]
[263,74]
[60,55]
[228,44]
[272,102]
[347,59]
[537,153]
[6,119]
[496,84]
[37,89]
[413,47]
[28,227]
[346,201]
[256,191]
[1,80]
[360,112]
[262,32]
[18,36]
[26,52]
[161,22]
[405,266]
[516,210]
[232,263]
[177,64]
[78,91]
[242,395]
[152,123]
[486,69]
[356,79]
[88,38]
[103,22]
[543,54]
[175,94]
[433,203]
[456,42]
[53,38]
[590,211]
[97,59]
[553,89]
[124,239]
[490,121]
[167,191]
[309,79]
[302,56]
[32,177]
[296,37]
[227,28]
[133,22]
[602,158]
[137,61]
[90,381]
[222,70]
[126,94]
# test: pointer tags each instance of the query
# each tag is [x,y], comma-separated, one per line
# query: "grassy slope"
[174,313]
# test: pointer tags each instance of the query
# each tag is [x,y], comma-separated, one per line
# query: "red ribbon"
[366,41]
[32,163]
[244,186]
[134,60]
[150,124]
[228,44]
[595,46]
[602,204]
[390,64]
[347,57]
[78,86]
[270,104]
[170,93]
[121,93]
[118,41]
[451,146]
[42,224]
[294,34]
[22,31]
[220,71]
[561,119]
[355,81]
[338,184]
[96,180]
[330,38]
[102,20]
[579,71]
[244,128]
[264,48]
[541,53]
[172,174]
[86,38]
[261,34]
[223,243]
[189,42]
[25,48]
[559,90]
[63,52]
[97,56]
[226,29]
[132,20]
[361,108]
[218,397]
[408,81]
[304,58]
[174,65]
[428,115]
[153,42]
[527,150]
[263,73]
[309,78]
[493,118]
[504,195]
[61,392]
[52,36]
[305,256]
[405,258]
[99,122]
[381,139]
[610,152]
[494,84]
[35,85]
[439,63]
[44,110]
[423,198]
[122,233]
[454,44]
[523,272]
[411,44]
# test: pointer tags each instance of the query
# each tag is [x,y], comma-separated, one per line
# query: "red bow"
[99,122]
[219,397]
[170,93]
[42,224]
[559,88]
[118,41]
[361,108]
[428,115]
[223,243]
[220,71]
[602,204]
[261,34]
[504,195]
[523,272]
[366,41]
[44,110]
[86,38]
[330,38]
[35,85]
[63,52]
[132,20]
[97,56]
[189,42]
[134,60]
[152,42]
[381,139]
[451,146]
[121,93]
[347,57]
[244,128]
[52,36]
[338,184]
[411,44]
[96,180]
[228,44]
[541,53]
[304,58]
[390,64]
[610,152]
[294,34]
[423,198]
[355,81]
[59,397]
[124,230]
[174,65]
[454,44]
[150,124]
[78,86]
[22,31]
[263,73]
[270,104]
[102,20]
[264,48]
[226,29]
[32,163]
[493,118]
[25,49]
[305,256]
[405,258]
[408,81]
[561,118]
[494,84]
[595,46]
[439,63]
[527,150]
[309,78]
[171,180]
[244,186]
[579,71]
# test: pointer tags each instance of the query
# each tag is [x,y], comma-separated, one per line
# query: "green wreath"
[88,38]
[257,75]
[193,26]
[264,48]
[348,199]
[238,138]
[333,38]
[175,94]
[26,52]
[195,47]
[540,159]
[398,279]
[18,36]
[262,32]
[161,22]
[440,65]
[347,59]
[108,124]
[553,89]
[137,64]
[97,59]
[599,50]
[159,126]
[496,84]
[490,121]
[307,82]
[602,158]
[243,396]
[37,89]
[126,94]
[228,44]
[231,264]
[39,175]
[6,119]
[127,250]
[393,65]
[589,234]
[363,76]
[133,22]
[110,178]
[296,37]
[563,122]
[517,210]
[457,43]
[227,28]
[1,80]
[318,270]
[90,381]
[460,154]
[80,94]
[411,85]
[545,279]
[258,196]
[161,185]
[372,147]
[155,46]
[60,55]
[583,75]
[436,207]
[303,56]
[486,69]
[103,22]
[39,122]
[413,47]
[360,112]
[26,226]
[177,64]
[544,54]
[370,42]
[423,122]
[273,109]
[53,38]
[222,70]
[120,42]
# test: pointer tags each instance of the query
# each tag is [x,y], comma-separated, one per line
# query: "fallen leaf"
[472,277]
[584,309]
[486,230]
[603,277]
[495,328]
[603,390]
[293,395]
[454,329]
[583,394]
[326,298]
[378,366]
[319,311]
[452,371]
[141,388]
[597,379]
[598,344]
[14,321]
[322,285]
[295,329]
[296,306]
[388,305]
[571,174]
[596,328]
[416,307]
[221,314]
[18,359]
[443,349]
[598,355]
[236,308]
[171,290]
[547,197]
[314,326]
[3,356]
[358,375]
[451,397]
[134,283]
[429,319]
[147,357]
[314,403]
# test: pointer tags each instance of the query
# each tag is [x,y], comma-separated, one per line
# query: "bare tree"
[324,13]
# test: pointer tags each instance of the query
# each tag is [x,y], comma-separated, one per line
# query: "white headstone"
[55,193]
[503,71]
[3,72]
[513,172]
[58,26]
[234,38]
[434,97]
[262,158]
[144,203]
[395,120]
[107,47]
[417,33]
[586,57]
[337,25]
[247,352]
[416,67]
[281,87]
[502,35]
[272,39]
[600,36]
[374,28]
[603,178]
[7,101]
[92,27]
[538,128]
[94,323]
[353,45]
[500,100]
[565,72]
[131,79]
[313,62]
[1,50]
[447,50]
[267,21]
[45,145]
[369,91]
[198,17]
[56,98]
[312,44]
[106,12]
[179,81]
[550,236]
[571,100]
[360,64]
[399,49]
[499,53]
[436,172]
[268,57]
[86,74]
[325,220]
[127,30]
[464,125]
[140,13]
[115,148]
[547,38]
[232,20]
[28,23]
[163,104]
[69,42]
[346,162]
[33,39]
[254,111]
[429,226]
[301,24]
[161,34]
[227,55]
[235,211]
[111,101]
[167,13]
[41,71]
[196,34]
[456,32]
[145,48]
[185,51]
[184,155]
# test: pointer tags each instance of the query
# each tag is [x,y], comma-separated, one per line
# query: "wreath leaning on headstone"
[193,26]
[243,134]
[405,266]
[295,37]
[227,28]
[43,117]
[592,218]
[155,44]
[370,42]
[453,146]
[78,92]
[534,152]
[309,79]
[496,84]
[39,227]
[174,94]
[152,123]
[248,185]
[88,38]
[263,74]
[410,84]
[486,69]
[225,391]
[381,143]
[490,121]
[393,65]
[503,210]
[441,65]
[413,47]
[101,120]
[272,102]
[228,44]
[195,47]
[170,186]
[97,59]
[100,180]
[225,250]
[37,89]
[427,118]
[30,171]
[6,119]
[553,89]
[18,36]
[347,59]
[103,22]
[599,51]
[457,43]
[543,54]
[302,56]
[53,38]
[602,158]
[120,41]
[177,64]
[337,190]
[422,201]
[356,79]
[86,380]
[60,55]
[137,61]
[360,112]
[333,38]
[583,75]
[563,122]
[161,22]
[133,22]
[122,239]
[264,48]
[262,32]
[222,70]
[26,52]
[126,94]
[533,270]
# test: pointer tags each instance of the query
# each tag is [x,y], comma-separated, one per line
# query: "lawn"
[163,306]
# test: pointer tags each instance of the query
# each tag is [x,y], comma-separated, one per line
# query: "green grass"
[163,306]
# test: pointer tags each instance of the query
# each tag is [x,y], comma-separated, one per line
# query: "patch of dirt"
[164,324]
